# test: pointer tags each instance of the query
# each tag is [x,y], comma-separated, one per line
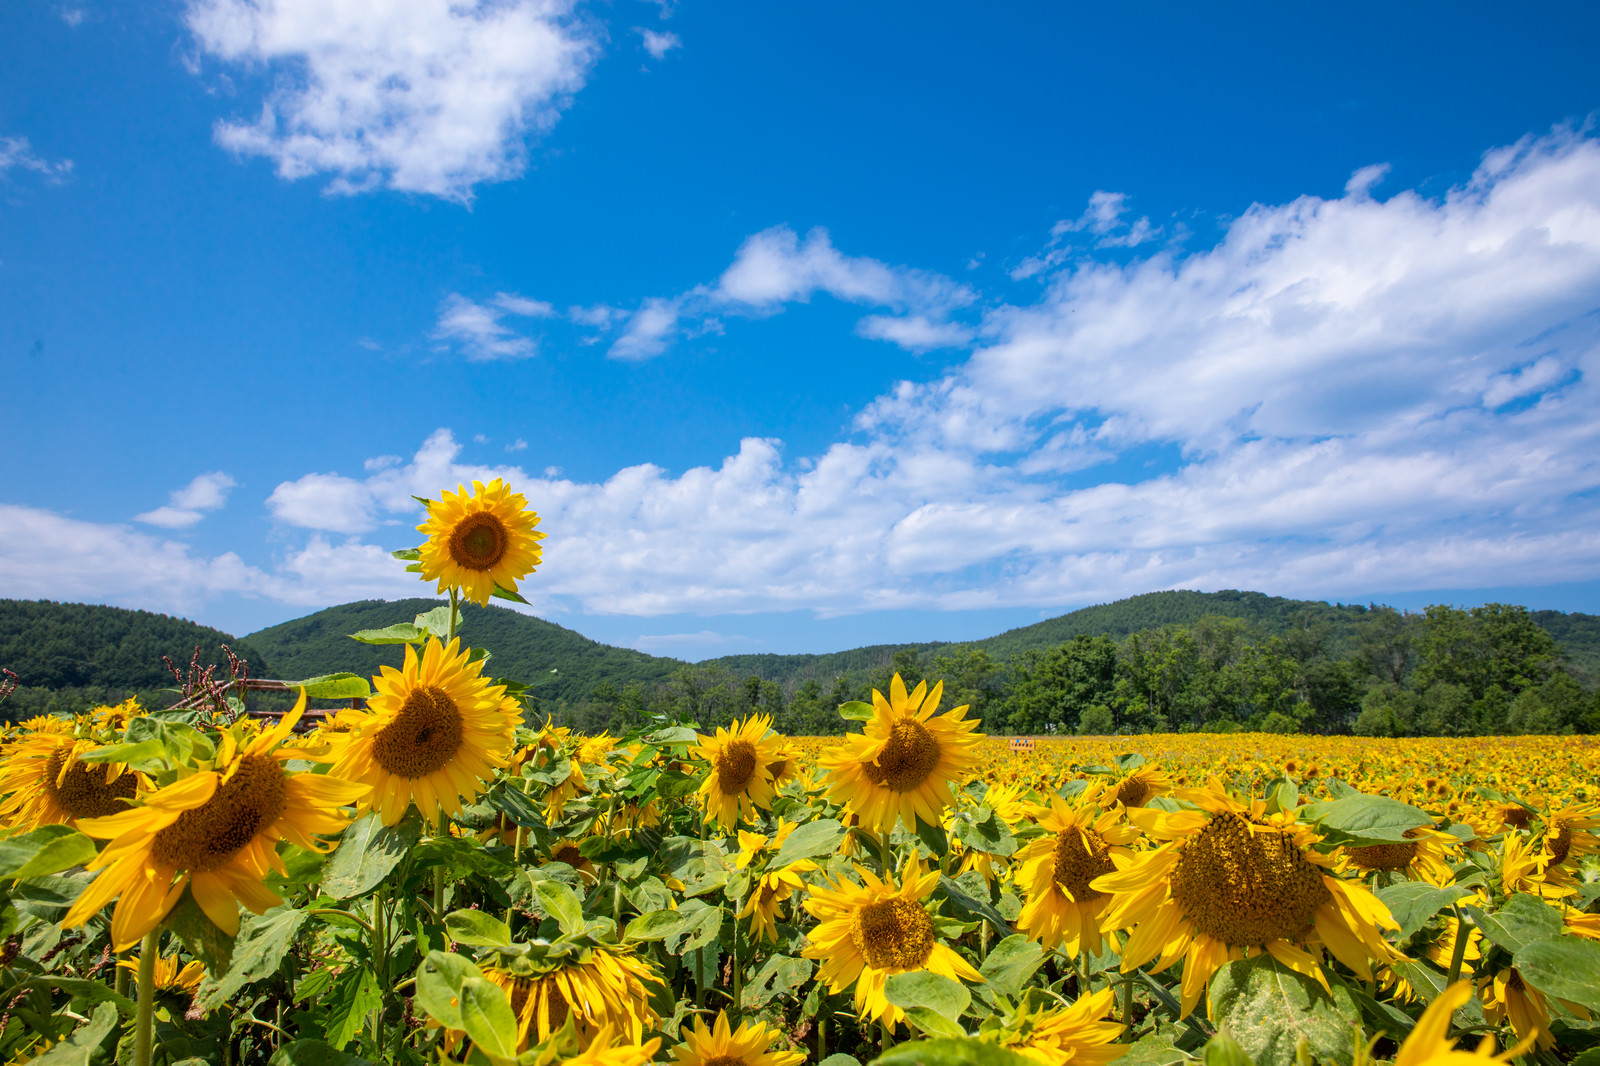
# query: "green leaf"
[399,633]
[562,904]
[701,924]
[1413,902]
[856,711]
[1522,920]
[200,935]
[926,996]
[807,841]
[149,754]
[314,1053]
[973,907]
[673,734]
[502,593]
[512,802]
[366,854]
[951,1051]
[780,975]
[260,947]
[480,929]
[655,925]
[439,981]
[343,686]
[46,850]
[1361,819]
[354,995]
[991,835]
[436,621]
[839,1058]
[1153,1049]
[409,554]
[486,1016]
[79,1048]
[933,838]
[1011,962]
[1566,967]
[1269,1009]
[1224,1050]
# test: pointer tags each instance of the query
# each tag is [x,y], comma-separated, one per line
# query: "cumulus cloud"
[658,44]
[649,331]
[775,266]
[431,96]
[480,330]
[188,505]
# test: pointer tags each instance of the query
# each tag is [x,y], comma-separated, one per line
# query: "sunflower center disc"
[895,934]
[478,541]
[1245,888]
[1516,817]
[424,736]
[84,791]
[908,758]
[1384,856]
[1078,862]
[569,854]
[209,835]
[736,764]
[1560,845]
[1133,792]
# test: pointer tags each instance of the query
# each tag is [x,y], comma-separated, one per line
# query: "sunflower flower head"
[722,1045]
[1080,1034]
[901,766]
[739,782]
[1056,872]
[480,540]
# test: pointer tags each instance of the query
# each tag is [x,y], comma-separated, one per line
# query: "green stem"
[343,914]
[822,1037]
[1127,1001]
[145,1020]
[887,1033]
[1460,952]
[380,964]
[438,871]
[455,606]
[119,980]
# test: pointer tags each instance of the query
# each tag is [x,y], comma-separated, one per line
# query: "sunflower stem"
[822,1036]
[455,608]
[438,871]
[145,1019]
[1459,954]
[886,1032]
[1127,1000]
[380,952]
[119,980]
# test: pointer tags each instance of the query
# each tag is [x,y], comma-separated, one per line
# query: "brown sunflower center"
[1560,845]
[242,806]
[894,934]
[906,761]
[569,854]
[1081,855]
[479,541]
[85,790]
[1246,888]
[424,736]
[778,769]
[1133,792]
[736,765]
[1384,856]
[1516,817]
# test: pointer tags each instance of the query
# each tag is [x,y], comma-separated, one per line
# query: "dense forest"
[1175,661]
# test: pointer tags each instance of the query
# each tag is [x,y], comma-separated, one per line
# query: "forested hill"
[560,664]
[73,654]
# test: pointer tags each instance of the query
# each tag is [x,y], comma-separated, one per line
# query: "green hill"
[560,664]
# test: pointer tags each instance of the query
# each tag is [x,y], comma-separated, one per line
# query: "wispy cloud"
[187,506]
[16,153]
[658,44]
[480,330]
[430,96]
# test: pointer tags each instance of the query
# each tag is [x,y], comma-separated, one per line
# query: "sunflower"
[869,932]
[1056,870]
[772,888]
[215,832]
[171,974]
[721,1045]
[1078,1035]
[1138,788]
[480,541]
[739,782]
[600,1052]
[1566,839]
[598,988]
[434,731]
[1507,998]
[1232,881]
[902,764]
[48,782]
[1429,1044]
[1423,856]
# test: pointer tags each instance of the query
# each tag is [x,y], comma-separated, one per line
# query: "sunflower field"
[422,874]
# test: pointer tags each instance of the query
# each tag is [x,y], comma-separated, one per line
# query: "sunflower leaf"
[200,934]
[972,906]
[257,953]
[780,975]
[46,850]
[562,904]
[1413,902]
[80,1047]
[1361,819]
[502,593]
[314,1053]
[1522,920]
[923,988]
[399,633]
[951,1051]
[856,711]
[807,841]
[486,1016]
[1011,962]
[439,981]
[366,854]
[1566,967]
[1269,1009]
[354,994]
[478,928]
[342,686]
[654,925]
[515,804]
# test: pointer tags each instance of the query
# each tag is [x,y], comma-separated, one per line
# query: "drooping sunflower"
[435,731]
[722,1045]
[1078,1035]
[215,832]
[48,782]
[480,539]
[739,782]
[599,988]
[1084,843]
[1231,881]
[1424,856]
[1429,1043]
[770,889]
[172,974]
[1507,998]
[1567,837]
[1141,786]
[902,764]
[600,1051]
[873,930]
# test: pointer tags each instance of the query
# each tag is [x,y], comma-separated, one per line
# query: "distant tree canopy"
[1156,662]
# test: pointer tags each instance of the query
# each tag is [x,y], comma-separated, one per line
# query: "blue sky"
[803,328]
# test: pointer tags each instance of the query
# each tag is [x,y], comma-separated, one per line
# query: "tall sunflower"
[902,764]
[48,782]
[871,931]
[435,730]
[479,540]
[740,781]
[722,1045]
[1231,881]
[1056,871]
[214,832]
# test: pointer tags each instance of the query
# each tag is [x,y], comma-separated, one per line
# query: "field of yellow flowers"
[423,877]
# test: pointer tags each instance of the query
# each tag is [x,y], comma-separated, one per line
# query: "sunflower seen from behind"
[902,764]
[434,733]
[722,1045]
[479,540]
[214,832]
[872,930]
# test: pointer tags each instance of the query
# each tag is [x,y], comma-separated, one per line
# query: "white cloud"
[658,44]
[518,445]
[188,505]
[324,501]
[429,96]
[914,332]
[480,330]
[16,152]
[775,266]
[649,331]
[1103,221]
